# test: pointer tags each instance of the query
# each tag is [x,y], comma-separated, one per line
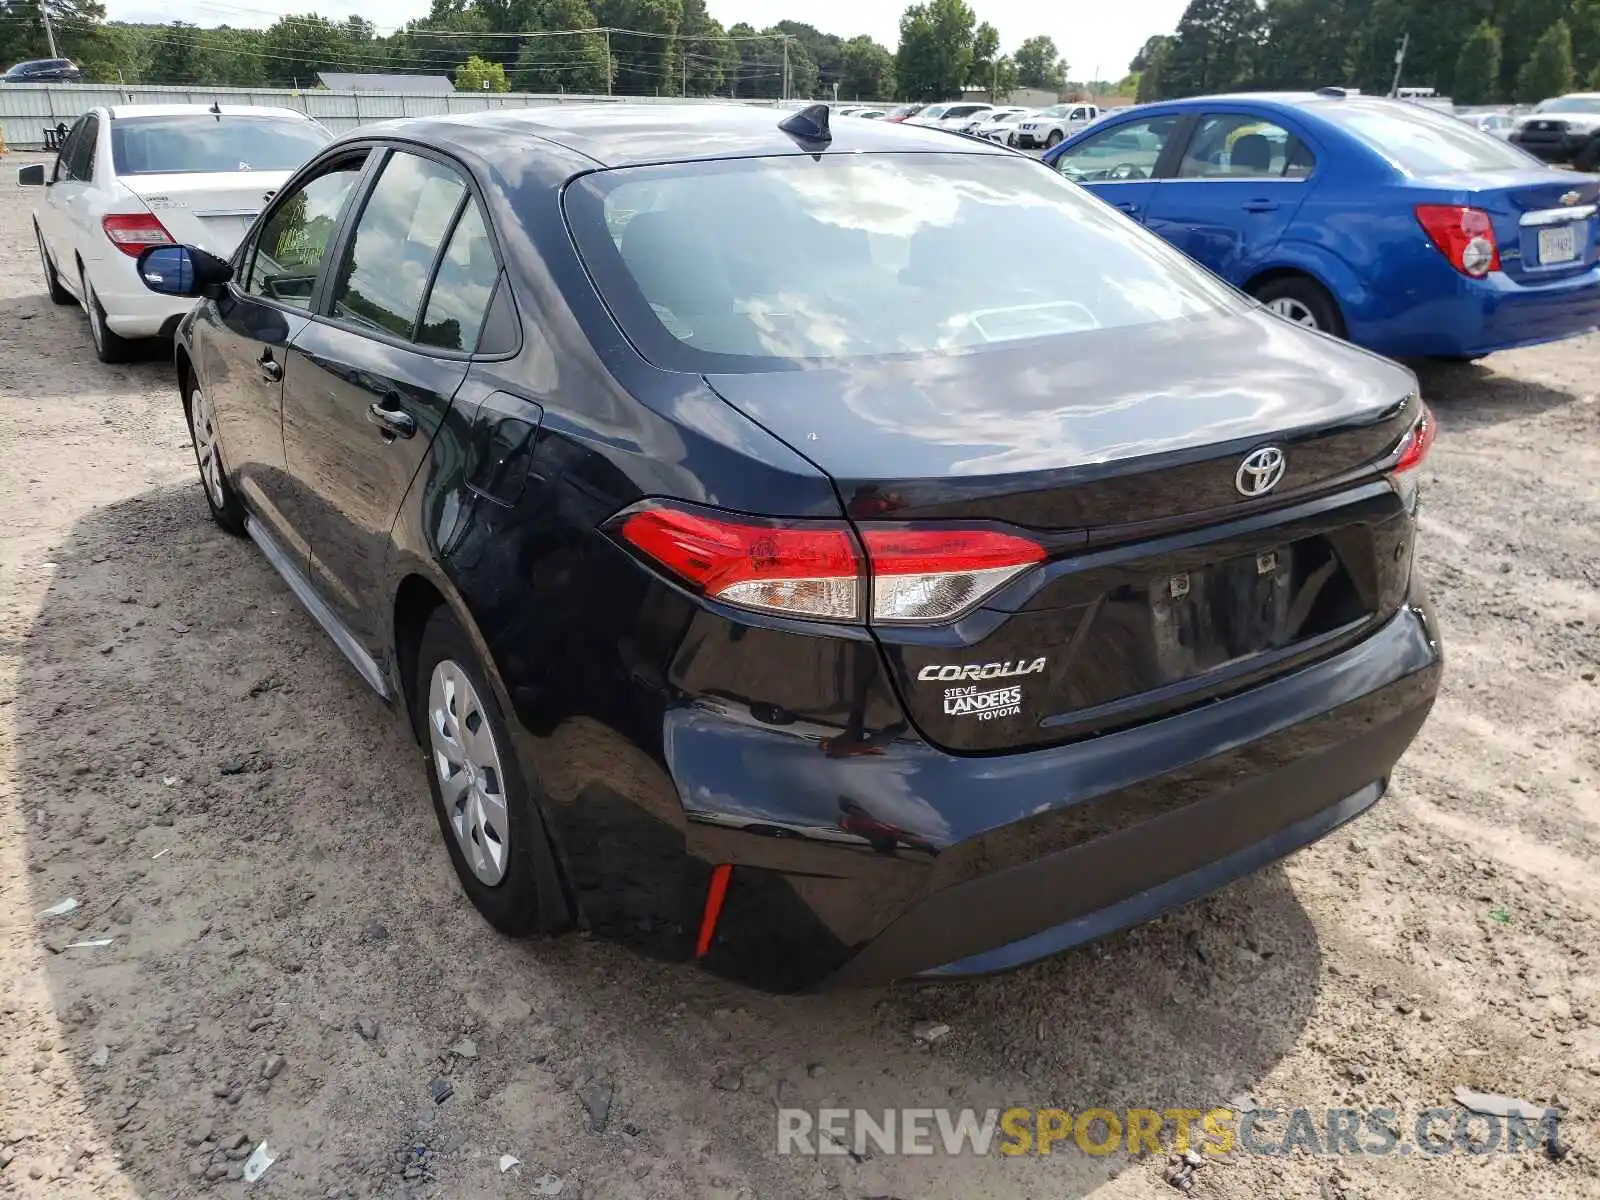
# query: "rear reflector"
[134,232]
[1465,235]
[1415,445]
[815,568]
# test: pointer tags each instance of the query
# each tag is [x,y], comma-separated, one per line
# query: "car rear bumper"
[132,310]
[1472,317]
[972,864]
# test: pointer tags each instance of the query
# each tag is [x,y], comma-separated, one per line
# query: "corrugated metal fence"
[26,110]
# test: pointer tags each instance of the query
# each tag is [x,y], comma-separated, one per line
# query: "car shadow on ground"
[250,825]
[66,330]
[1473,395]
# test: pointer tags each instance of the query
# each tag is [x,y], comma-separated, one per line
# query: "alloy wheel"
[203,425]
[471,782]
[1294,310]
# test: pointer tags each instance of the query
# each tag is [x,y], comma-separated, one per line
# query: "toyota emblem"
[1260,471]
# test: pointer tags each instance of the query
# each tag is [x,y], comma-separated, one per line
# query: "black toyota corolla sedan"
[834,556]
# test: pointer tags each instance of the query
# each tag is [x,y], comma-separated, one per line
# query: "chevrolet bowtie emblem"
[1570,198]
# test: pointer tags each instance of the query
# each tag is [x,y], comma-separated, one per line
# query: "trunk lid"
[1118,451]
[212,211]
[1544,220]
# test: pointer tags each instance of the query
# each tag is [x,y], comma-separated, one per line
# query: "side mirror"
[183,271]
[31,175]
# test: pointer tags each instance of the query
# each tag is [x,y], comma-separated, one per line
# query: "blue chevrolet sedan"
[1401,228]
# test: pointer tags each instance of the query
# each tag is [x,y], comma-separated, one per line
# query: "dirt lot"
[183,751]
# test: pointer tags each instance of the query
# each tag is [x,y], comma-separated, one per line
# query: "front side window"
[1129,151]
[190,145]
[388,262]
[745,264]
[294,240]
[1244,147]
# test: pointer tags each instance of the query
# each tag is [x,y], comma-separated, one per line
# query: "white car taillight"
[133,233]
[817,569]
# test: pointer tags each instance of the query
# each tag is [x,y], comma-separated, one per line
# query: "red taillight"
[815,569]
[134,232]
[806,569]
[1465,235]
[934,574]
[1415,445]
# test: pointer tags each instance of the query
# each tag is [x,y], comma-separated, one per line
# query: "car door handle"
[388,416]
[271,370]
[1127,207]
[1261,206]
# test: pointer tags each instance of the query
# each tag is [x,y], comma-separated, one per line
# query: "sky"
[1090,34]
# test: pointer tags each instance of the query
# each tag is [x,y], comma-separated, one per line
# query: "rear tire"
[108,347]
[227,510]
[1304,301]
[52,277]
[484,803]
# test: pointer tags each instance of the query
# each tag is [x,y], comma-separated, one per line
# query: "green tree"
[1584,20]
[935,49]
[480,75]
[176,55]
[1548,71]
[1040,65]
[868,70]
[824,49]
[1477,76]
[1154,73]
[1215,48]
[646,62]
[985,54]
[296,48]
[1594,79]
[562,64]
[708,55]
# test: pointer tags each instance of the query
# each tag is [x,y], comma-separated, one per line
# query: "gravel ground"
[183,751]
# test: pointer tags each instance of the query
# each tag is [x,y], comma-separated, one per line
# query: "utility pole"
[683,54]
[49,30]
[608,62]
[1399,63]
[786,66]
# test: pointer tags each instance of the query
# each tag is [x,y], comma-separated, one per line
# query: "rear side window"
[461,289]
[1244,147]
[189,144]
[743,264]
[387,264]
[1420,141]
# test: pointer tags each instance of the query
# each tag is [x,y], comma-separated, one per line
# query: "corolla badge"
[1260,471]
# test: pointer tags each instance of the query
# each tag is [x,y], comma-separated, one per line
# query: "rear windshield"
[1569,104]
[189,144]
[1422,142]
[743,264]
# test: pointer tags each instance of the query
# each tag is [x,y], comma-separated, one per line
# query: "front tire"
[484,803]
[227,510]
[108,347]
[1055,139]
[52,277]
[1588,159]
[1303,301]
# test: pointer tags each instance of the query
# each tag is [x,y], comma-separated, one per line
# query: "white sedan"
[133,176]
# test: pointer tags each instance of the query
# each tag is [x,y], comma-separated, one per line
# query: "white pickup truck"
[1051,125]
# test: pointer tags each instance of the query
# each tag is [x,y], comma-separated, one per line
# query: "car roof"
[120,112]
[623,134]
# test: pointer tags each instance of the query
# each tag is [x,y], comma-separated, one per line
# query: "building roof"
[622,134]
[362,81]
